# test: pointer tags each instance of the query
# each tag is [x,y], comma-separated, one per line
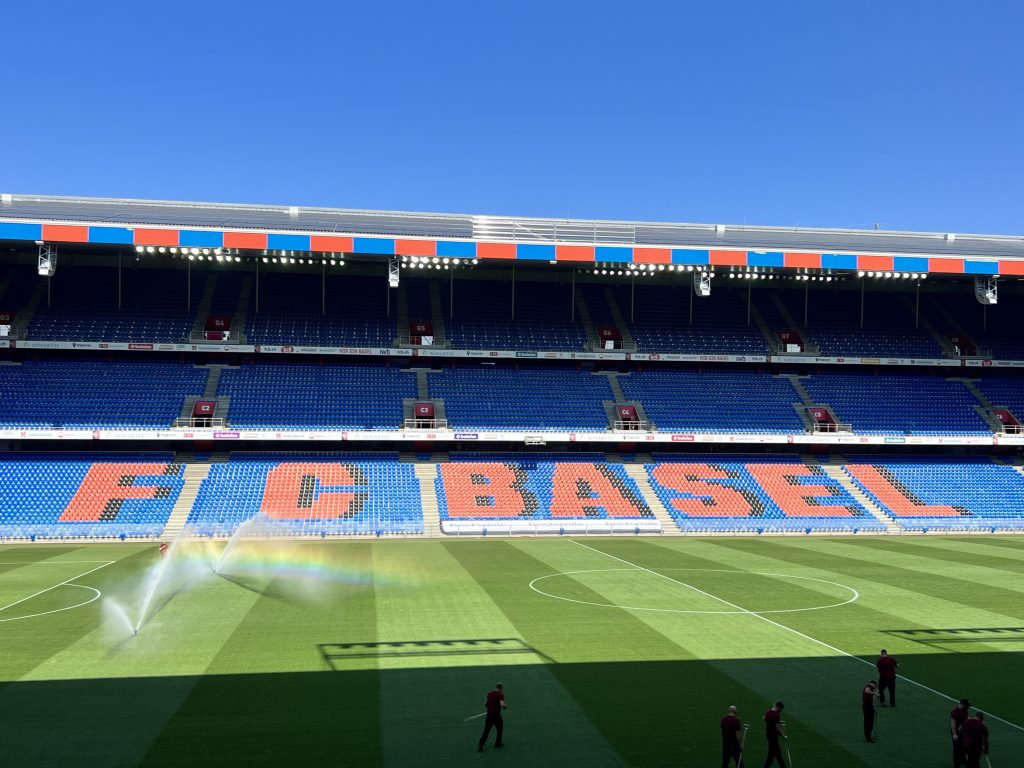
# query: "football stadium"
[298,486]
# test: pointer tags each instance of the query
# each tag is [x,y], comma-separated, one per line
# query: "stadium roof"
[122,212]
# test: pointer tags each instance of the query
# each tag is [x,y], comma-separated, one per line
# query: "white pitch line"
[53,562]
[66,581]
[797,632]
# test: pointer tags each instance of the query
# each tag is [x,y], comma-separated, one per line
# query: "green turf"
[373,653]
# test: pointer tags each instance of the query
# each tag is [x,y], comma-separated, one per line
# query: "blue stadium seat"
[714,401]
[303,396]
[368,496]
[898,403]
[136,394]
[494,397]
[44,496]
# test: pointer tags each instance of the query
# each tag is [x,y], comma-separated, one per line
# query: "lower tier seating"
[744,494]
[123,496]
[943,494]
[545,496]
[307,497]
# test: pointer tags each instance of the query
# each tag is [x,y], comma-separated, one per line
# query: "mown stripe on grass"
[912,601]
[269,695]
[814,681]
[950,552]
[637,684]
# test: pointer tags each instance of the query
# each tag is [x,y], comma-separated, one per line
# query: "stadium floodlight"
[161,249]
[860,273]
[455,262]
[195,251]
[206,251]
[475,261]
[47,260]
[238,259]
[446,260]
[150,249]
[435,260]
[191,257]
[702,283]
[986,290]
[140,249]
[264,259]
[218,251]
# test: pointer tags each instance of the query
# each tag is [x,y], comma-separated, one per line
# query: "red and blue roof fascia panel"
[385,246]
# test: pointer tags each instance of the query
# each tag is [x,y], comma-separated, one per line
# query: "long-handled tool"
[785,736]
[743,742]
[474,717]
[988,762]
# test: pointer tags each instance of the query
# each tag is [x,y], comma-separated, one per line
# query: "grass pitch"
[612,651]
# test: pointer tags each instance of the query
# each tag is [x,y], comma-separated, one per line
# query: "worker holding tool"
[733,736]
[494,704]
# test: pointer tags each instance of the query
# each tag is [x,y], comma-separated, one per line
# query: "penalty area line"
[61,584]
[774,623]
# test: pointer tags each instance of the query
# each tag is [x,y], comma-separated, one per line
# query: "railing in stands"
[632,426]
[198,422]
[426,424]
[832,427]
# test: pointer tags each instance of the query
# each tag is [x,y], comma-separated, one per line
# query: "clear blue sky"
[821,113]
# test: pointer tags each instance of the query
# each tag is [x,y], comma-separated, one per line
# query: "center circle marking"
[854,594]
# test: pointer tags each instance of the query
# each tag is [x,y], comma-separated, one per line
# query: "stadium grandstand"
[169,366]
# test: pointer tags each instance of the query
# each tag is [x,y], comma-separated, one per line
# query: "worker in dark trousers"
[868,696]
[773,731]
[731,739]
[886,666]
[975,739]
[957,718]
[494,704]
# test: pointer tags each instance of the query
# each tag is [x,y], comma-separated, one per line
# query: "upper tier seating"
[483,316]
[140,394]
[417,300]
[84,306]
[936,493]
[661,320]
[226,293]
[714,401]
[994,328]
[493,397]
[298,495]
[597,303]
[736,493]
[23,283]
[898,403]
[303,396]
[87,495]
[290,312]
[834,324]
